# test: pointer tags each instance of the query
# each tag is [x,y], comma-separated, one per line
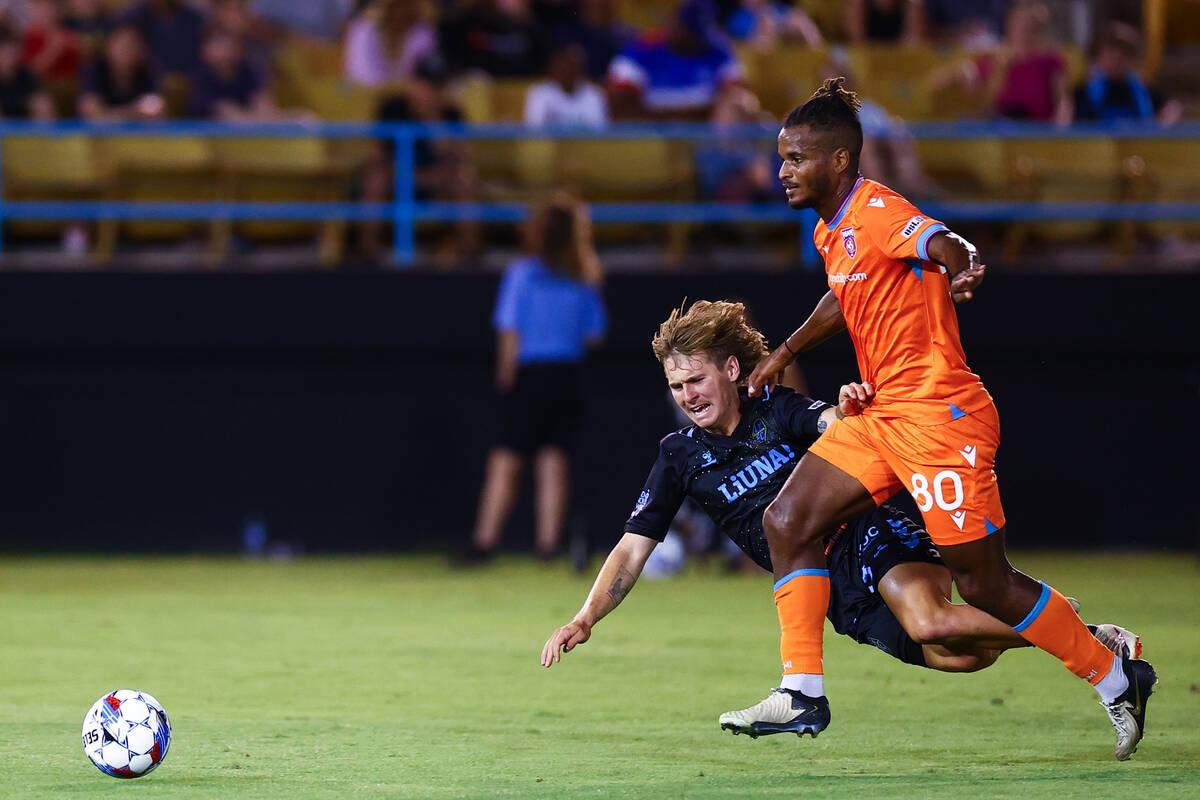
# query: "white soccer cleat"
[1128,712]
[783,711]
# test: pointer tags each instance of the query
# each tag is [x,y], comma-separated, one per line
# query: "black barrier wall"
[354,411]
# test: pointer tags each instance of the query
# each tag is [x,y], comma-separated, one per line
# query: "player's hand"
[854,397]
[769,372]
[963,284]
[564,640]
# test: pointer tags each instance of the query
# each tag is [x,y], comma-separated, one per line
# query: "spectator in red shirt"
[1026,76]
[21,96]
[50,50]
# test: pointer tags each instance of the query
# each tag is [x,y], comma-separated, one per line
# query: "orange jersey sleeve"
[898,229]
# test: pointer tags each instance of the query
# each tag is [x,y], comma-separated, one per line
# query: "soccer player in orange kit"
[930,427]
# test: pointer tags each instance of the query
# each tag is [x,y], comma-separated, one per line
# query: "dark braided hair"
[832,109]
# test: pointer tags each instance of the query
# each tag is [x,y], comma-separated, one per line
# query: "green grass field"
[398,678]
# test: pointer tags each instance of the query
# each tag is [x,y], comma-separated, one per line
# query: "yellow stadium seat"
[1162,171]
[645,14]
[630,170]
[157,169]
[508,100]
[284,169]
[896,76]
[45,168]
[1062,170]
[334,100]
[965,169]
[784,77]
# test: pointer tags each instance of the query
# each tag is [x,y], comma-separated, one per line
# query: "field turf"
[395,677]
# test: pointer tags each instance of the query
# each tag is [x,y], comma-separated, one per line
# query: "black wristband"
[790,350]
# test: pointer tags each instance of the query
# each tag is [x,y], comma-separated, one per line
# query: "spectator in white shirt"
[566,97]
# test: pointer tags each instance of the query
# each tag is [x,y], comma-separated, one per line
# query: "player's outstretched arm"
[961,259]
[620,571]
[825,320]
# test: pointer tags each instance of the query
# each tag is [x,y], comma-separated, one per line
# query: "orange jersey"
[897,306]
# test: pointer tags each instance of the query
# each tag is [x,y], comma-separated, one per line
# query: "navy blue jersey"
[733,478]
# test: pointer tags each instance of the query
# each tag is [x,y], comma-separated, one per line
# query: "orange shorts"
[947,468]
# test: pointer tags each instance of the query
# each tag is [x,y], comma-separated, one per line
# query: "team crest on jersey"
[760,430]
[848,241]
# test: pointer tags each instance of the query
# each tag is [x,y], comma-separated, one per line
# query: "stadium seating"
[156,169]
[62,168]
[1162,171]
[282,170]
[784,77]
[895,76]
[1061,170]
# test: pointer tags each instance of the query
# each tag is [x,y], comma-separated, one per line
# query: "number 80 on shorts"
[946,490]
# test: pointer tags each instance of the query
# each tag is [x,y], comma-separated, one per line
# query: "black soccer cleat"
[783,711]
[1128,711]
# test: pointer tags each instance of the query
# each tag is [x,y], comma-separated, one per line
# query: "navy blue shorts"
[862,552]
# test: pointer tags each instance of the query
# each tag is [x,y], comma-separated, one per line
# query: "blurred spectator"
[14,14]
[499,37]
[118,84]
[566,97]
[236,18]
[900,21]
[172,30]
[226,87]
[90,21]
[1114,90]
[971,25]
[1025,77]
[50,50]
[317,19]
[21,96]
[678,73]
[443,169]
[598,31]
[386,41]
[766,23]
[732,169]
[548,313]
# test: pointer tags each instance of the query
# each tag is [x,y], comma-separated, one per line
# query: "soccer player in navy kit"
[889,586]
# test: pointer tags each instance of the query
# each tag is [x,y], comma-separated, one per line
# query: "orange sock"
[1054,626]
[802,599]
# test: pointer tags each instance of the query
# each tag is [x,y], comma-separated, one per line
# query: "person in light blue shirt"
[549,312]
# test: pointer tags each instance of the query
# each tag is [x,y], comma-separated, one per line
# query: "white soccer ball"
[126,733]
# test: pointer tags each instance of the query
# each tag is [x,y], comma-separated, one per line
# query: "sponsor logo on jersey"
[707,459]
[912,226]
[853,277]
[759,470]
[876,202]
[642,501]
[848,241]
[959,517]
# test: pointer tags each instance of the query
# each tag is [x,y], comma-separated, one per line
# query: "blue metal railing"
[406,210]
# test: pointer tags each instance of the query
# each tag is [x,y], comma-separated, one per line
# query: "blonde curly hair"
[718,329]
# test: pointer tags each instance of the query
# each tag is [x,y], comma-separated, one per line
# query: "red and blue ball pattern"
[126,733]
